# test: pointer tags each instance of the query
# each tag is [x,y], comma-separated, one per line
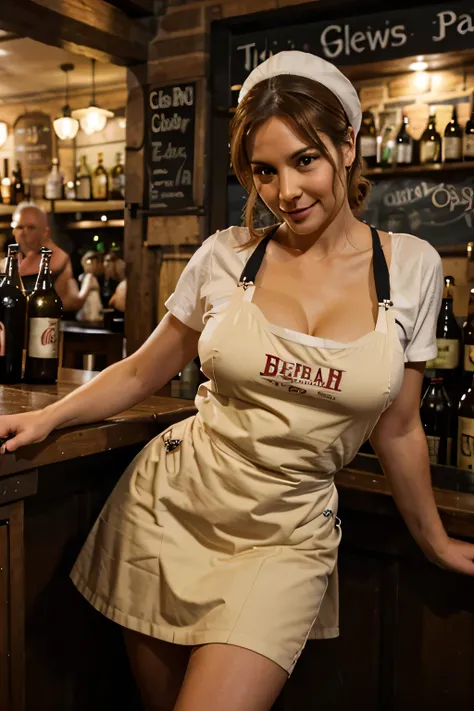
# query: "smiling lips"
[301,209]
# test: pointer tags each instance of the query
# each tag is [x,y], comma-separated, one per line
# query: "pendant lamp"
[92,119]
[65,126]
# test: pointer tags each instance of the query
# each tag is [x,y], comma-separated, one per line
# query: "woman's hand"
[22,429]
[457,556]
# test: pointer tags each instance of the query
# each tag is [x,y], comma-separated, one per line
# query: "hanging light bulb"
[3,133]
[92,119]
[66,127]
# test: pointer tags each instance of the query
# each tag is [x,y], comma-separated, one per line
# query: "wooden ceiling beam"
[135,8]
[93,28]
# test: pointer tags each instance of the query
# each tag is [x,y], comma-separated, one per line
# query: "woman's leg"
[222,677]
[159,669]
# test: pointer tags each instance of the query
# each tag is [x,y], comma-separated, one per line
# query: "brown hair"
[308,107]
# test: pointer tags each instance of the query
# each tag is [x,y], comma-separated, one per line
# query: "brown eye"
[306,161]
[264,170]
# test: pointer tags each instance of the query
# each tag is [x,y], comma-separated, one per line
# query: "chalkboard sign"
[440,211]
[170,156]
[391,34]
[33,144]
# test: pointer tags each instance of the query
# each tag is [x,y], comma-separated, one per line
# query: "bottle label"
[433,449]
[404,153]
[101,187]
[448,354]
[452,148]
[427,151]
[43,339]
[469,358]
[368,146]
[118,184]
[83,186]
[469,145]
[466,443]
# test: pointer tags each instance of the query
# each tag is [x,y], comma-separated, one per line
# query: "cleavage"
[318,308]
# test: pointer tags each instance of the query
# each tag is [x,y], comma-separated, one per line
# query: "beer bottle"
[448,336]
[44,313]
[12,319]
[436,416]
[466,430]
[430,143]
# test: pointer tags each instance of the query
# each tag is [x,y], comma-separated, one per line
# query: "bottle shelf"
[71,206]
[94,224]
[418,169]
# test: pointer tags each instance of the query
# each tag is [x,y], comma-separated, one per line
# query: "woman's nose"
[289,186]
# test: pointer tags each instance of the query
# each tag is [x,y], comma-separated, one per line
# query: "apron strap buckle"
[245,284]
[386,303]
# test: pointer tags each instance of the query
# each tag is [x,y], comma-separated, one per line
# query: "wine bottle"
[448,335]
[468,142]
[6,185]
[12,319]
[83,181]
[54,183]
[468,335]
[19,192]
[453,139]
[386,147]
[100,180]
[117,179]
[404,144]
[466,429]
[368,139]
[430,143]
[44,313]
[436,417]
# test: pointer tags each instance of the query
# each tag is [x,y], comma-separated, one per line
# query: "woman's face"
[294,180]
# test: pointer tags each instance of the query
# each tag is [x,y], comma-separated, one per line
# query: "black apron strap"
[381,273]
[255,260]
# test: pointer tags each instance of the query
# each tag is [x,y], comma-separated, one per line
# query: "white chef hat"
[304,64]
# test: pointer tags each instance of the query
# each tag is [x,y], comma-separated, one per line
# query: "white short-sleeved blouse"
[416,280]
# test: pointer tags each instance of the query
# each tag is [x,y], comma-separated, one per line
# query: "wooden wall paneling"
[435,642]
[148,287]
[17,598]
[173,230]
[12,640]
[76,658]
[200,150]
[4,619]
[133,257]
[172,266]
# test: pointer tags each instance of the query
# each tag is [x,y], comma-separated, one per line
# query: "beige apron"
[224,528]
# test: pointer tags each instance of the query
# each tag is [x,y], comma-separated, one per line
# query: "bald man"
[32,233]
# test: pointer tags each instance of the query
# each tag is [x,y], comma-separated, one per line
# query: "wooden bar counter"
[407,627]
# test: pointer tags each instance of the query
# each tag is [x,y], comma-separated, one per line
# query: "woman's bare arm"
[121,386]
[400,443]
[170,347]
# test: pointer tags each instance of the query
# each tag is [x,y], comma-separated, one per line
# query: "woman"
[217,549]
